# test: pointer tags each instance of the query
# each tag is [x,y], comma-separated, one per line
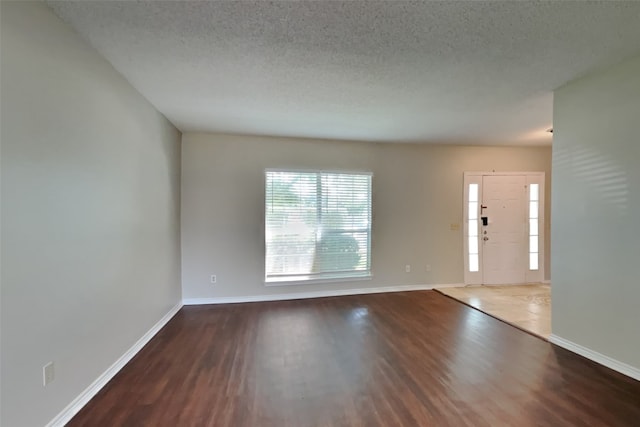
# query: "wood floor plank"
[397,359]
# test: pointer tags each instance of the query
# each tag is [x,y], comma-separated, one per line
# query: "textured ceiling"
[440,72]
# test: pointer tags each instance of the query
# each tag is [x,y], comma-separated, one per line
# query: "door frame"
[531,276]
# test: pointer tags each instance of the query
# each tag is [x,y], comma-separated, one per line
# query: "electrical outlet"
[428,267]
[214,279]
[407,268]
[48,374]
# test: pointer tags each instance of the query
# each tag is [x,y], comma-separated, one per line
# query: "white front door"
[503,227]
[503,239]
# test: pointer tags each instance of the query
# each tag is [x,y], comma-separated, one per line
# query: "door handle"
[485,238]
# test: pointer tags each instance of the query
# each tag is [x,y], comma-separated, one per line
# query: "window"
[472,226]
[534,191]
[317,225]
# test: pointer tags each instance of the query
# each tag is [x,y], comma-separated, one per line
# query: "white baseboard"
[546,282]
[600,358]
[315,294]
[83,398]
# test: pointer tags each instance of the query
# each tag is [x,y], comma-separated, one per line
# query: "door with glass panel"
[503,223]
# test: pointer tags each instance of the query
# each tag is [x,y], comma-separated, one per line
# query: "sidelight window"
[474,257]
[534,218]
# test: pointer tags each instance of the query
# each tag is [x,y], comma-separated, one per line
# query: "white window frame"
[327,278]
[531,276]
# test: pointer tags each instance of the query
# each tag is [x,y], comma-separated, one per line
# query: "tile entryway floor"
[527,307]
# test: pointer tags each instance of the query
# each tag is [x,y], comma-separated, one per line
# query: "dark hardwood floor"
[398,359]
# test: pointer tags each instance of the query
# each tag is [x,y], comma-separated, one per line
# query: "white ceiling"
[436,72]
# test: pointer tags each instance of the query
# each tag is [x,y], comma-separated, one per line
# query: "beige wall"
[596,207]
[90,214]
[417,194]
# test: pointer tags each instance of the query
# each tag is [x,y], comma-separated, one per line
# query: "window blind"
[318,225]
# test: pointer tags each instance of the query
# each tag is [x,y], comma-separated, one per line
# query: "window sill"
[299,280]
